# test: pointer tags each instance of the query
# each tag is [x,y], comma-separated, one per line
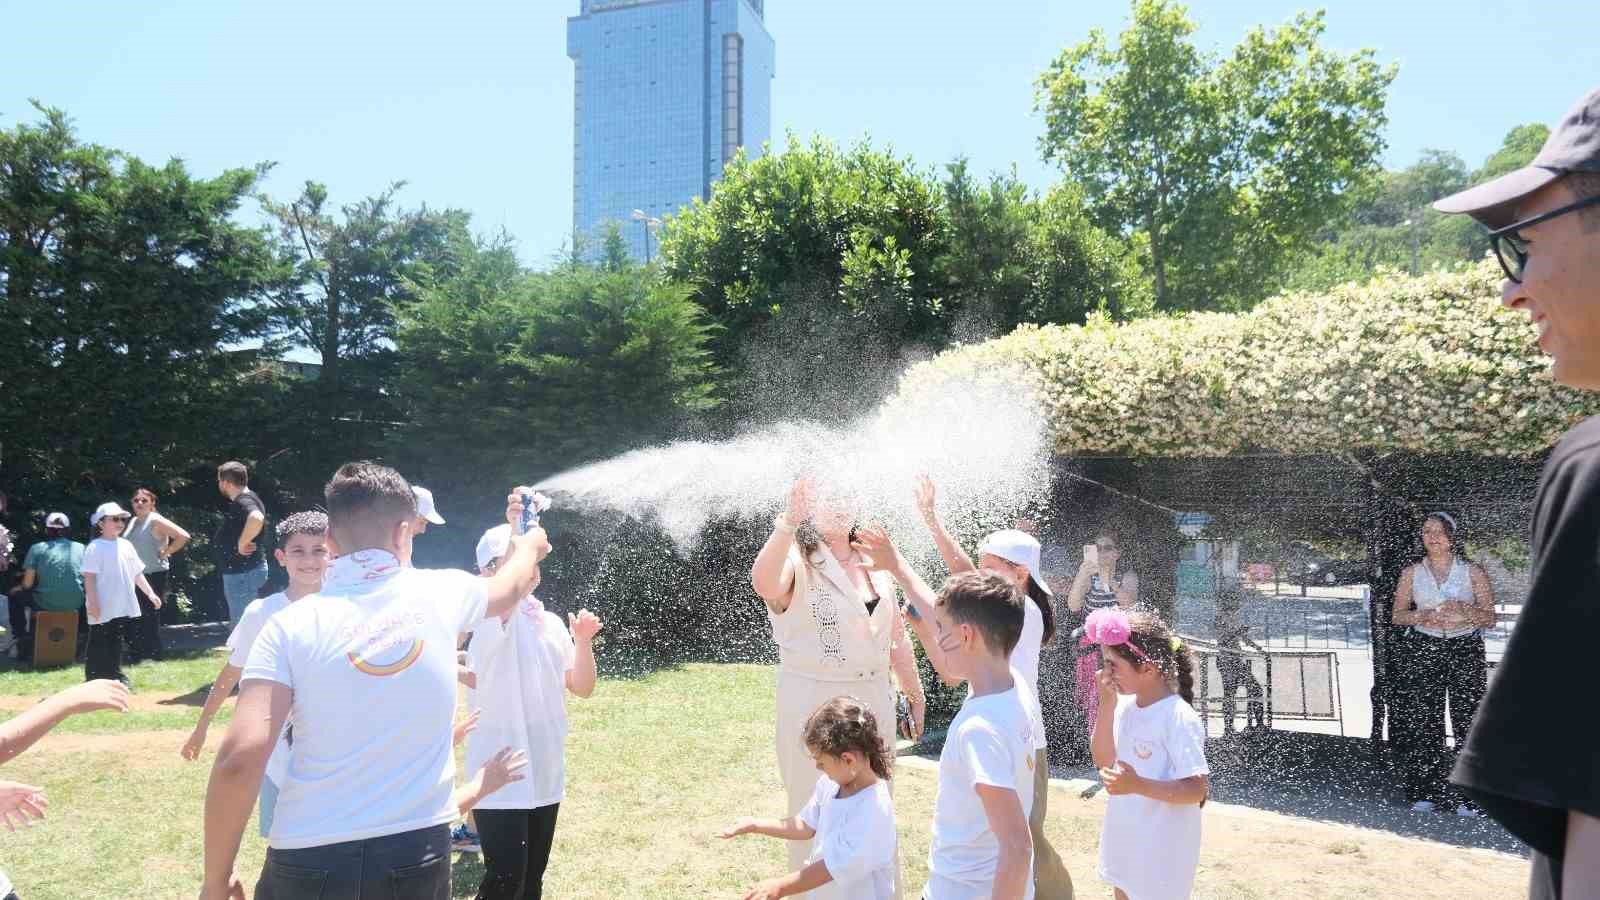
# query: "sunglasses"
[1511,248]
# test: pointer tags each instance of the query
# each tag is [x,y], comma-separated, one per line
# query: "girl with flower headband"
[1149,745]
[850,815]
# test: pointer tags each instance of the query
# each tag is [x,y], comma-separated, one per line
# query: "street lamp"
[648,222]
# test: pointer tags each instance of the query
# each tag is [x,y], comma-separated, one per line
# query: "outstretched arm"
[28,726]
[955,559]
[881,555]
[772,575]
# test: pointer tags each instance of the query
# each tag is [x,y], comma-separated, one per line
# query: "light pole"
[648,222]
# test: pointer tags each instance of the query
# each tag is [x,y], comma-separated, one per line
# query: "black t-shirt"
[226,542]
[1534,749]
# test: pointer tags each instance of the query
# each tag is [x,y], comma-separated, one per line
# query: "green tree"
[1222,167]
[121,281]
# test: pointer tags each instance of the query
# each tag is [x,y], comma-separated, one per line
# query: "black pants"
[414,865]
[103,659]
[144,638]
[1434,673]
[516,850]
[1236,675]
[20,632]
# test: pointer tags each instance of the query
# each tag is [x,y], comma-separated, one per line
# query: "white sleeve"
[864,845]
[269,655]
[811,813]
[244,634]
[986,756]
[488,637]
[467,596]
[1186,743]
[91,559]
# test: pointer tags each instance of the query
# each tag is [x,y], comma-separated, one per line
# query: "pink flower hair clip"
[1110,628]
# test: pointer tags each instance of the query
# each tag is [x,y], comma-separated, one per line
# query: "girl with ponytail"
[1150,747]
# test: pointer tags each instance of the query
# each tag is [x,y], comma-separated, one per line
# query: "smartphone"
[1091,554]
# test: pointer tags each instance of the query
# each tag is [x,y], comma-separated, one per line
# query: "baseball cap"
[1019,548]
[493,544]
[57,520]
[1573,146]
[425,507]
[109,509]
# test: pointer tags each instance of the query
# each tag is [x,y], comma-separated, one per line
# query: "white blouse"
[826,632]
[1427,592]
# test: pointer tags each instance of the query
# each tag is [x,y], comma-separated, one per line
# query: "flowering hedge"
[1431,364]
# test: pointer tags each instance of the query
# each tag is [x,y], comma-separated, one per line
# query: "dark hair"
[313,522]
[808,539]
[55,532]
[987,601]
[1108,532]
[1164,649]
[234,472]
[1447,522]
[843,725]
[154,500]
[1047,608]
[365,495]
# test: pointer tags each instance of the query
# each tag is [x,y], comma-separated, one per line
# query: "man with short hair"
[53,571]
[1530,759]
[367,672]
[243,564]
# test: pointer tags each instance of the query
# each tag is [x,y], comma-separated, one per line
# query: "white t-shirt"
[522,668]
[989,742]
[372,663]
[116,567]
[1150,848]
[240,640]
[1025,667]
[855,839]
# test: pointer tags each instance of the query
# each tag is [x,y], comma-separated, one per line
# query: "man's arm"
[1003,808]
[518,574]
[24,730]
[236,776]
[251,529]
[29,578]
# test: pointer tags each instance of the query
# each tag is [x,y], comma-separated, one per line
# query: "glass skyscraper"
[665,91]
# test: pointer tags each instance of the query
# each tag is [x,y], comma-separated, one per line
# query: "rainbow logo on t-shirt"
[384,670]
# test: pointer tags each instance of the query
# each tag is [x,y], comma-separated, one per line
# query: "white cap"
[1019,548]
[425,505]
[111,509]
[57,520]
[493,544]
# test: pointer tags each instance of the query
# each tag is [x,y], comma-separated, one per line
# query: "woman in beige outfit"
[838,631]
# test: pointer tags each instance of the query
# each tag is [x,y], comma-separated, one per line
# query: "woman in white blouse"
[1444,599]
[838,629]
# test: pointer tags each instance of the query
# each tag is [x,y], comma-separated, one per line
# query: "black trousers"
[516,850]
[412,865]
[103,659]
[1435,674]
[20,632]
[1236,676]
[144,638]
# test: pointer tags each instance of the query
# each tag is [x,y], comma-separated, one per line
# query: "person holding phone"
[1099,584]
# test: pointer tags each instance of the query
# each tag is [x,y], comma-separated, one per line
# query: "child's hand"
[102,693]
[771,889]
[878,552]
[503,768]
[1121,779]
[20,804]
[465,727]
[585,625]
[743,826]
[1107,687]
[927,499]
[195,743]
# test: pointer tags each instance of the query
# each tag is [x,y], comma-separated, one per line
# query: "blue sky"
[470,101]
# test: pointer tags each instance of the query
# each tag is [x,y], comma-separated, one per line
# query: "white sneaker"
[1467,812]
[1422,806]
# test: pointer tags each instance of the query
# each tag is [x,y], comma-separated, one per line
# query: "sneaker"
[1467,812]
[1422,806]
[464,840]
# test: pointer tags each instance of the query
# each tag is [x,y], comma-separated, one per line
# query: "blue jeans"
[241,587]
[414,865]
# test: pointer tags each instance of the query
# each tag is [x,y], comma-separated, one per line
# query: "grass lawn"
[655,766]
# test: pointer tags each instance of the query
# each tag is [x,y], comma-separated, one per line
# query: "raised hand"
[504,768]
[584,625]
[927,499]
[20,804]
[102,693]
[465,726]
[1107,687]
[746,825]
[514,505]
[878,552]
[535,542]
[802,501]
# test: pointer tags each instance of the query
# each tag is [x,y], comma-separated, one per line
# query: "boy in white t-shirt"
[366,669]
[303,553]
[112,571]
[523,663]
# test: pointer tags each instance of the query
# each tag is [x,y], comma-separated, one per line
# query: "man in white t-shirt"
[367,671]
[982,847]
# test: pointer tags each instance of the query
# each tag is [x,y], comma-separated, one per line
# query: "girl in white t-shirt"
[112,572]
[851,814]
[1150,747]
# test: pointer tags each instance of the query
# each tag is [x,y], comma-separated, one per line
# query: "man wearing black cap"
[1532,759]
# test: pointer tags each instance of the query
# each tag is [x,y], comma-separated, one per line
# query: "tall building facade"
[665,92]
